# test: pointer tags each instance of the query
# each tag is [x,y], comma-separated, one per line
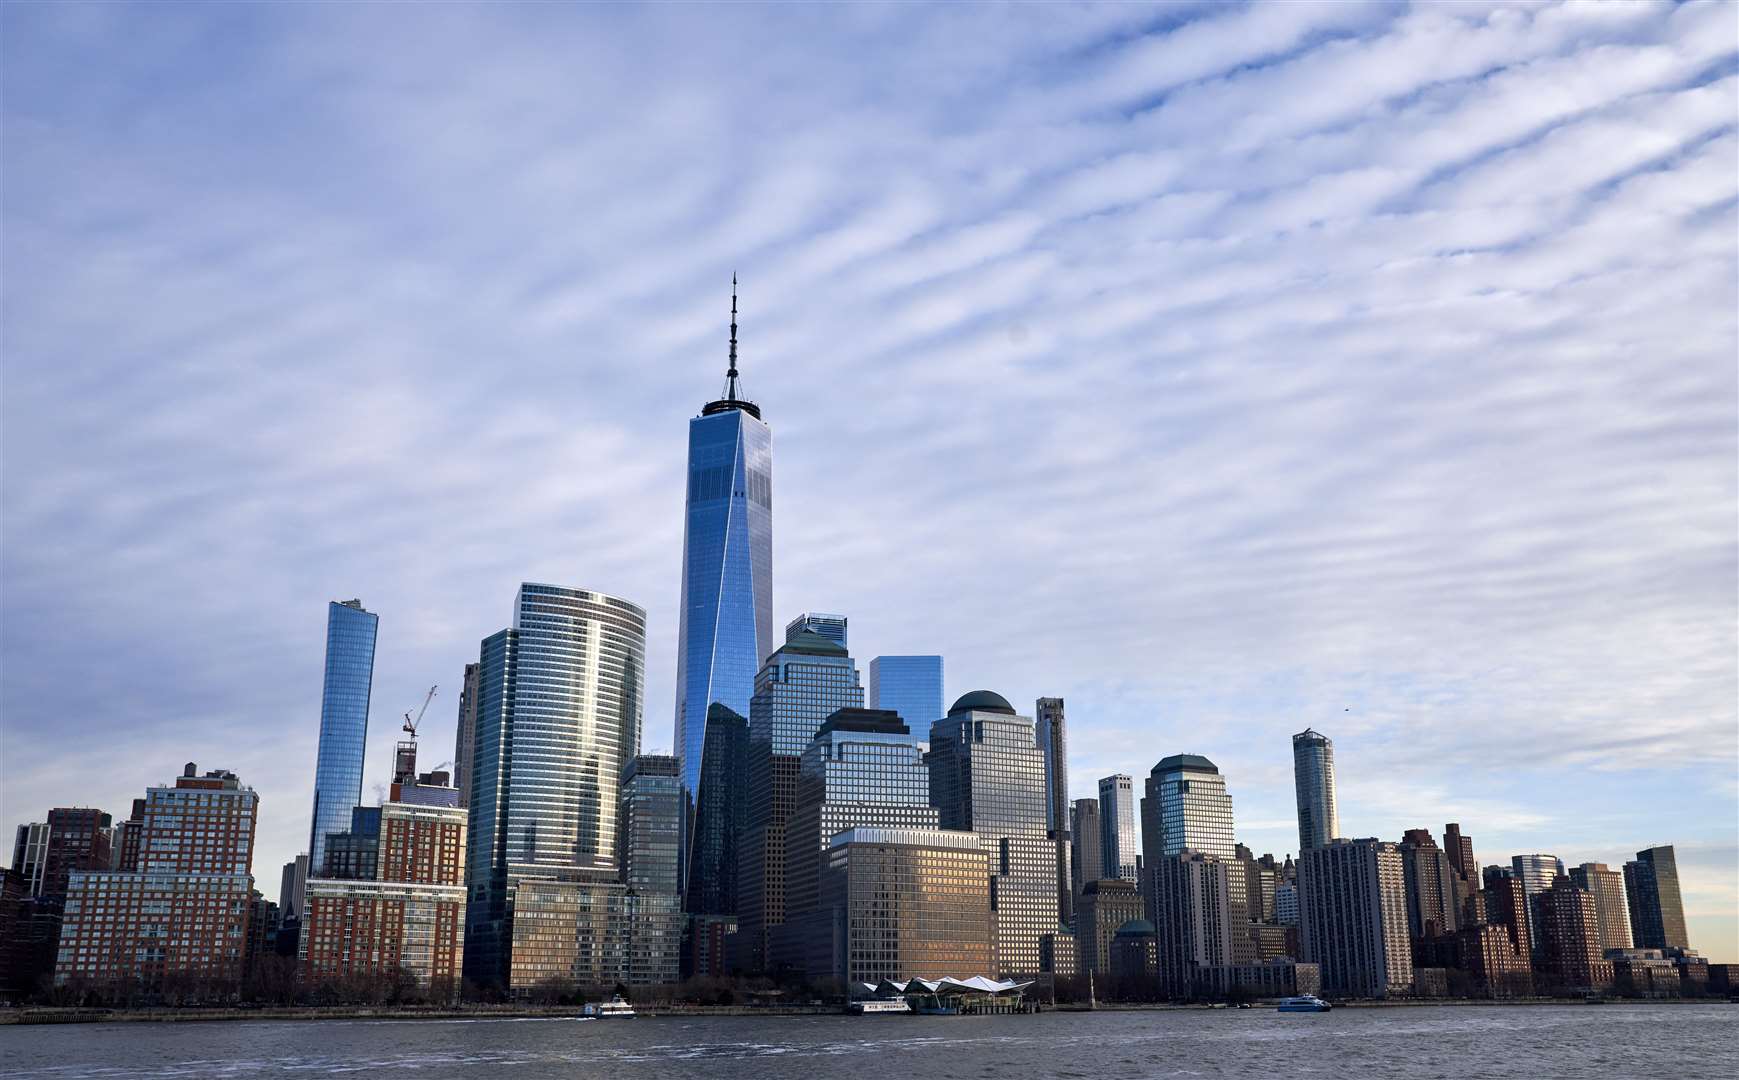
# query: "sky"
[1224,370]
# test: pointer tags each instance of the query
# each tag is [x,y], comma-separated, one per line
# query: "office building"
[1570,950]
[30,856]
[1196,920]
[863,769]
[1186,808]
[1134,955]
[1117,842]
[1286,903]
[805,681]
[987,775]
[1657,910]
[1313,775]
[716,842]
[1535,873]
[831,627]
[464,740]
[908,685]
[292,883]
[1087,854]
[1051,729]
[559,700]
[1611,911]
[906,904]
[1431,890]
[1103,907]
[1353,915]
[344,697]
[184,912]
[726,623]
[592,935]
[1469,899]
[652,824]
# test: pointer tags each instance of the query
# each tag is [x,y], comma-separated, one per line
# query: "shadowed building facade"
[1353,917]
[1051,727]
[1657,909]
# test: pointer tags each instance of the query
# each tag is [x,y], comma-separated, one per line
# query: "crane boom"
[411,725]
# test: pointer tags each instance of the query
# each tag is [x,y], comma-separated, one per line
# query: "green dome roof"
[1136,928]
[982,701]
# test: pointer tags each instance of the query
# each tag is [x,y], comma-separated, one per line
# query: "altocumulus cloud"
[1224,369]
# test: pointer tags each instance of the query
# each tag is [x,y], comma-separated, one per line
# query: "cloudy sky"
[1224,370]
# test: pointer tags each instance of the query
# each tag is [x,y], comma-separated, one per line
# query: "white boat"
[614,1009]
[1303,1003]
[870,1006]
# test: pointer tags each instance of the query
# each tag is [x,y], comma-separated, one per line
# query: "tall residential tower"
[1313,772]
[350,633]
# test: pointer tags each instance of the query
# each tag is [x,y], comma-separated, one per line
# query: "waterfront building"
[592,934]
[1186,808]
[652,824]
[1117,843]
[344,697]
[47,853]
[1277,977]
[1103,907]
[908,685]
[987,775]
[831,627]
[1430,882]
[353,854]
[862,769]
[1469,900]
[1611,911]
[1051,730]
[1196,908]
[1536,874]
[184,912]
[1570,938]
[1657,910]
[1086,854]
[1353,914]
[559,701]
[464,740]
[1649,973]
[1313,775]
[1486,952]
[29,931]
[805,681]
[725,631]
[1134,952]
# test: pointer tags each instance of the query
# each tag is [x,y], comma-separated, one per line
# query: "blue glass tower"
[350,633]
[908,685]
[726,626]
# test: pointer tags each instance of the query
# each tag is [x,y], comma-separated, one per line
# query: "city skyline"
[1484,507]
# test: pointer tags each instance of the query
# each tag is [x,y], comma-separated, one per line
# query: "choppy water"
[1611,1042]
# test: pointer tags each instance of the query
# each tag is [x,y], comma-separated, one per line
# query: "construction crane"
[411,725]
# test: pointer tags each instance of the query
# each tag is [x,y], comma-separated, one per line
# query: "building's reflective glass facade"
[559,700]
[1313,774]
[1117,842]
[726,628]
[651,824]
[910,686]
[350,634]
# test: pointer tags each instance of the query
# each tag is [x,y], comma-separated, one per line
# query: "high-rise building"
[1313,774]
[350,638]
[1506,905]
[805,681]
[1051,729]
[1611,912]
[1657,909]
[465,739]
[1286,903]
[594,935]
[726,628]
[404,912]
[1087,855]
[1186,808]
[720,824]
[1353,914]
[831,627]
[1117,843]
[47,853]
[987,775]
[559,700]
[652,824]
[1536,874]
[1469,900]
[291,885]
[907,903]
[1103,907]
[30,856]
[910,686]
[863,769]
[184,912]
[1570,937]
[1195,919]
[1430,880]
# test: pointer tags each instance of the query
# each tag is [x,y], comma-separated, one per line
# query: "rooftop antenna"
[731,372]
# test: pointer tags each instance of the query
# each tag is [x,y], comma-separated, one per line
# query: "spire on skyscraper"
[730,400]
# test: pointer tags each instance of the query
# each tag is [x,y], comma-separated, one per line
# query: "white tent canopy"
[977,984]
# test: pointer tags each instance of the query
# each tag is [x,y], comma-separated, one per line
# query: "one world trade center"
[726,624]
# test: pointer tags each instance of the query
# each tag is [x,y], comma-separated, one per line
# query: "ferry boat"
[1303,1003]
[872,1006]
[614,1009]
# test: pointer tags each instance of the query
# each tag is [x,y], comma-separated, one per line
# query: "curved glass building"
[1313,773]
[350,634]
[726,628]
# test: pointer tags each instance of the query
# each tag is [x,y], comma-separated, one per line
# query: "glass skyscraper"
[559,700]
[651,824]
[1051,729]
[1117,842]
[908,685]
[1657,907]
[1313,775]
[350,634]
[726,628]
[831,627]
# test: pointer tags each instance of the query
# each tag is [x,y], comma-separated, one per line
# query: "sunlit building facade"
[1657,908]
[908,685]
[350,639]
[1117,842]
